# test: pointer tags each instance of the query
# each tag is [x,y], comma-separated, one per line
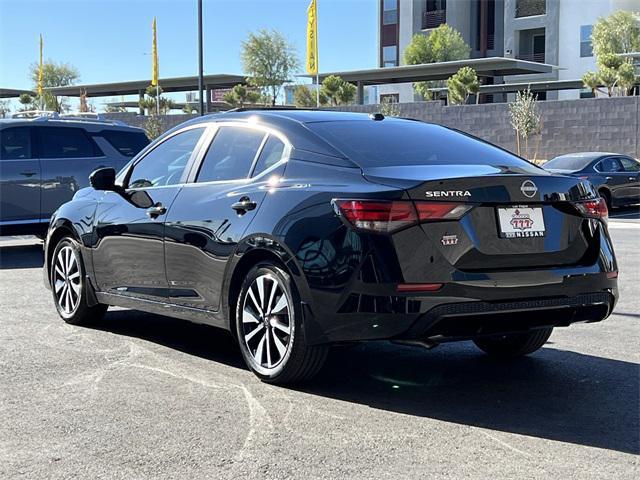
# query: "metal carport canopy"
[484,67]
[175,84]
[13,92]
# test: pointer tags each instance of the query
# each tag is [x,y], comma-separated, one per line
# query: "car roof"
[589,155]
[92,125]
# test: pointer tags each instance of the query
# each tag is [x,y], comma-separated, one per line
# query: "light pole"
[200,75]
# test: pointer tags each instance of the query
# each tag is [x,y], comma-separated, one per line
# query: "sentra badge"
[447,193]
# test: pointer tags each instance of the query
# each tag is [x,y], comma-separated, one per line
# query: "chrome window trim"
[192,180]
[194,154]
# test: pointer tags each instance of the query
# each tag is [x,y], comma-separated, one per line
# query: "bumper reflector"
[419,287]
[613,274]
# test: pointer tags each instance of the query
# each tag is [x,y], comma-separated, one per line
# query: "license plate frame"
[521,221]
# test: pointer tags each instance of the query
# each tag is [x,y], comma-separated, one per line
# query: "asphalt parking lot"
[144,396]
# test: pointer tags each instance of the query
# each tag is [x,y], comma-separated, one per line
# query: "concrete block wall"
[591,124]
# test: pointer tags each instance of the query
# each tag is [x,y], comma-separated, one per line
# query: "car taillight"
[596,208]
[381,216]
[429,211]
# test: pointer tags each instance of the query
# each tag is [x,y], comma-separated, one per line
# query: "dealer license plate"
[521,222]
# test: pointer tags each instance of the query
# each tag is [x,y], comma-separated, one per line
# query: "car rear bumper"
[464,310]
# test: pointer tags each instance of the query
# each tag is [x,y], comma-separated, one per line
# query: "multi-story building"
[556,32]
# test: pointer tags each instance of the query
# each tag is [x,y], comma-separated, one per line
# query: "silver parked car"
[45,159]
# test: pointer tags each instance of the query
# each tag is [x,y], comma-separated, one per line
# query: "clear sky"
[109,40]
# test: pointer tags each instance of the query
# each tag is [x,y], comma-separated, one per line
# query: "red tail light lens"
[391,216]
[596,208]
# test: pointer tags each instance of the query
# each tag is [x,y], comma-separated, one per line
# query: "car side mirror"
[103,179]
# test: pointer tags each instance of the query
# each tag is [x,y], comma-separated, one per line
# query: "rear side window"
[392,142]
[630,165]
[231,154]
[56,142]
[15,143]
[127,143]
[270,155]
[610,165]
[570,163]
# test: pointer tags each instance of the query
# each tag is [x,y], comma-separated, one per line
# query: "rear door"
[20,177]
[632,187]
[615,177]
[128,255]
[68,156]
[211,214]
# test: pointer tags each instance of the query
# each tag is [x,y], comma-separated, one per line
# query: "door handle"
[28,174]
[157,210]
[633,178]
[244,205]
[608,178]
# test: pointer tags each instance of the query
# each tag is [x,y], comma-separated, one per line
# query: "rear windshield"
[393,142]
[570,163]
[127,143]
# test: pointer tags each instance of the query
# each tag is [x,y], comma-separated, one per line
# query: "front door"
[20,178]
[211,214]
[128,253]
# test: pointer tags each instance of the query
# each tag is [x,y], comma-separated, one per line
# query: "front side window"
[60,142]
[586,49]
[630,165]
[15,143]
[231,154]
[271,154]
[166,163]
[609,165]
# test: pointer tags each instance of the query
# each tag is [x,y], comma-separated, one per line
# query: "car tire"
[270,329]
[68,285]
[514,345]
[607,198]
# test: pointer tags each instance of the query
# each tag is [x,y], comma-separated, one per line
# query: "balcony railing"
[528,8]
[531,57]
[433,18]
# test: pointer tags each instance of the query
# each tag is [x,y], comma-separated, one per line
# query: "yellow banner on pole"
[40,68]
[312,39]
[154,54]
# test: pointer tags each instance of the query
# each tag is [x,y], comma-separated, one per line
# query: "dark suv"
[45,160]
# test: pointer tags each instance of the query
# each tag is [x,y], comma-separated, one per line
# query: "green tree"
[617,33]
[269,61]
[525,119]
[240,95]
[336,91]
[303,97]
[53,75]
[389,107]
[5,108]
[461,85]
[443,44]
[27,102]
[153,127]
[150,104]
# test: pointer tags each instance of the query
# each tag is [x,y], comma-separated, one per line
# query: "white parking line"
[623,225]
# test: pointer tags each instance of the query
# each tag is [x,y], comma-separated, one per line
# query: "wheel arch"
[250,252]
[58,230]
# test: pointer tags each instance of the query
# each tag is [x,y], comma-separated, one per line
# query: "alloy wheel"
[267,323]
[66,280]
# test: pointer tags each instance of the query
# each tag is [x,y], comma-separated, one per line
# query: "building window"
[532,45]
[528,8]
[389,12]
[435,14]
[586,49]
[390,56]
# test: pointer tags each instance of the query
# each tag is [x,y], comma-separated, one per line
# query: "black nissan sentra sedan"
[299,229]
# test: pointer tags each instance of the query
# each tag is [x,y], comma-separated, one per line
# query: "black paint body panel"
[185,263]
